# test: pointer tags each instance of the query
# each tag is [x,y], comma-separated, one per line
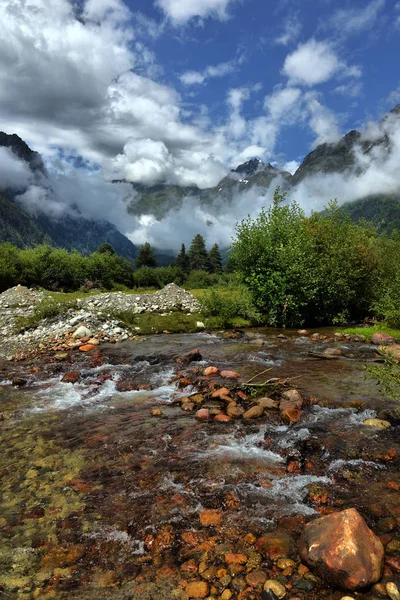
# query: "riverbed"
[103,499]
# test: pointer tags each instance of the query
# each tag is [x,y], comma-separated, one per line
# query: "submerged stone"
[342,549]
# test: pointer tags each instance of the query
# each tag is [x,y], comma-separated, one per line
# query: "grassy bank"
[369,331]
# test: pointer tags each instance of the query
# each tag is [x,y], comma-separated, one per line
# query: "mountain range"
[349,157]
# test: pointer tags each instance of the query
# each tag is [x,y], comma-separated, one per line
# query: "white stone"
[200,325]
[82,332]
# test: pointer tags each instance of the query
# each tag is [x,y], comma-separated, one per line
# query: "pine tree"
[198,258]
[215,260]
[182,260]
[146,257]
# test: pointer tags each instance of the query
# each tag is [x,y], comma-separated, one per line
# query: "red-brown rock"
[189,357]
[230,374]
[291,399]
[221,392]
[71,377]
[211,518]
[86,348]
[211,371]
[291,415]
[203,414]
[342,549]
[254,412]
[381,338]
[221,418]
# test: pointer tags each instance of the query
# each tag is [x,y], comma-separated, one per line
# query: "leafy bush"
[46,309]
[200,279]
[146,277]
[230,306]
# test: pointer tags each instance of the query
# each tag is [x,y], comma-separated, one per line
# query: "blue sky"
[182,91]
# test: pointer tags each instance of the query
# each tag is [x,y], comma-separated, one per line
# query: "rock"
[256,578]
[276,545]
[189,357]
[235,559]
[221,392]
[230,374]
[284,563]
[253,413]
[277,588]
[61,356]
[378,423]
[234,411]
[86,348]
[200,325]
[188,406]
[346,598]
[197,589]
[267,403]
[382,338]
[156,412]
[392,591]
[93,341]
[257,342]
[333,352]
[18,381]
[291,415]
[359,338]
[82,332]
[394,352]
[211,371]
[341,549]
[221,418]
[291,399]
[211,518]
[268,595]
[71,377]
[203,414]
[302,332]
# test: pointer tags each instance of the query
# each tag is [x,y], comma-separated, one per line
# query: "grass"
[46,309]
[369,331]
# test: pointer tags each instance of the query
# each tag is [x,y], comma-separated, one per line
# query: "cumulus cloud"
[210,72]
[182,11]
[323,121]
[314,62]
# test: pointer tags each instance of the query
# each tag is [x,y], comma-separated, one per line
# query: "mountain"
[350,157]
[24,229]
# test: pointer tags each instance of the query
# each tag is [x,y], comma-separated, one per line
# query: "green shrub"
[227,307]
[46,309]
[200,279]
[146,277]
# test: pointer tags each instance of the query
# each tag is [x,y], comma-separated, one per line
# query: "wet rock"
[71,377]
[256,578]
[94,341]
[267,403]
[268,595]
[253,413]
[333,352]
[277,588]
[211,518]
[392,591]
[156,412]
[276,545]
[203,414]
[291,415]
[234,411]
[393,563]
[302,332]
[257,342]
[188,406]
[197,589]
[226,595]
[86,348]
[18,381]
[189,357]
[211,371]
[230,374]
[235,559]
[220,393]
[284,563]
[359,338]
[382,338]
[61,356]
[291,399]
[221,418]
[82,332]
[341,549]
[378,423]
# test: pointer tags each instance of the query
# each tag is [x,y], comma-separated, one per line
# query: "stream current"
[100,499]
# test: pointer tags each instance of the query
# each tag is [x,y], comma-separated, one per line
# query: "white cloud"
[291,31]
[210,72]
[354,20]
[314,62]
[311,63]
[282,103]
[182,11]
[14,173]
[323,121]
[291,166]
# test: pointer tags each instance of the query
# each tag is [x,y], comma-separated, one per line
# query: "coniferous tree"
[182,260]
[215,260]
[105,248]
[198,258]
[146,257]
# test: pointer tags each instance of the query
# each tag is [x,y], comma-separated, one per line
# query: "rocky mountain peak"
[250,167]
[22,150]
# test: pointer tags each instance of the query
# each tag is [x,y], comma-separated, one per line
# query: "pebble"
[211,518]
[392,591]
[278,589]
[378,423]
[253,413]
[197,589]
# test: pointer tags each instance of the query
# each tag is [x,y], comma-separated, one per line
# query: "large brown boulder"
[341,549]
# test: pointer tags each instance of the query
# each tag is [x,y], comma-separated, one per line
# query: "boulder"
[291,399]
[82,332]
[71,377]
[211,371]
[333,352]
[230,374]
[203,414]
[341,549]
[382,338]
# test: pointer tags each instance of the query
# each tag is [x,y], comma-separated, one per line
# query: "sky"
[181,91]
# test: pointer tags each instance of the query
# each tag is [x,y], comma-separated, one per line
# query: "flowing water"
[100,499]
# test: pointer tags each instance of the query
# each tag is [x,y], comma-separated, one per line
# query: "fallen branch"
[258,375]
